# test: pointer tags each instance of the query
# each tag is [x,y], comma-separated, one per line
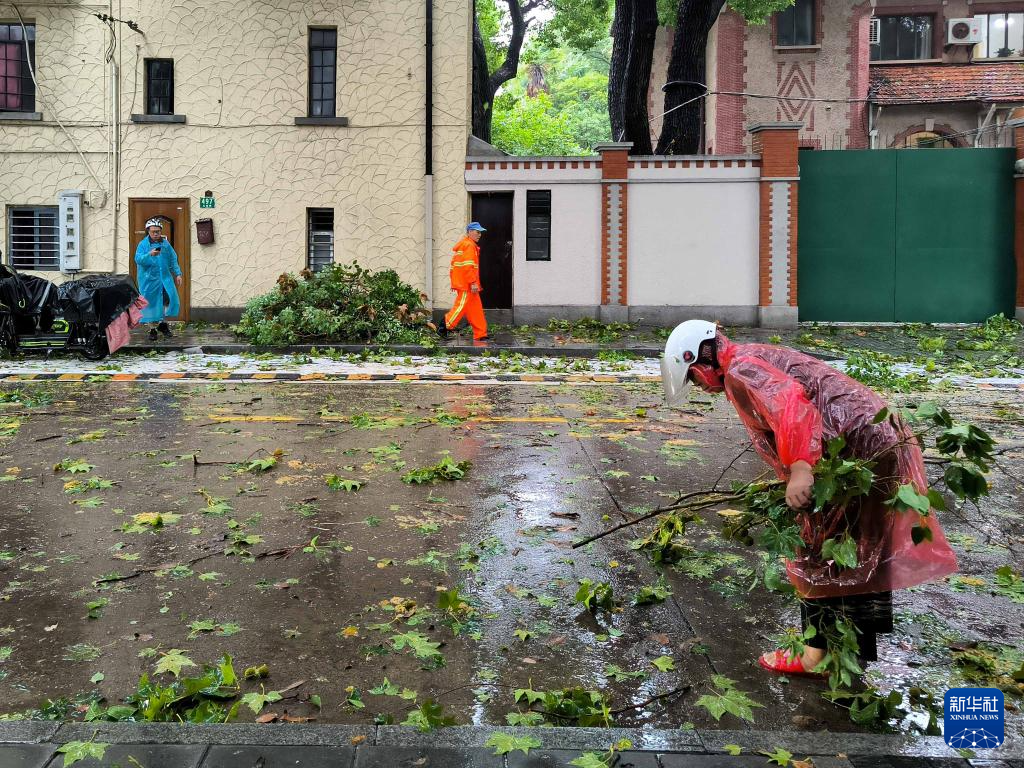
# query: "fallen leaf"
[528,660]
[292,687]
[267,718]
[295,718]
[567,515]
[50,628]
[661,638]
[357,740]
[350,632]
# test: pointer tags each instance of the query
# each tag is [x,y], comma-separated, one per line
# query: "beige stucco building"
[243,113]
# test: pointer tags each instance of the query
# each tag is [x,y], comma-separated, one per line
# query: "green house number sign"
[206,202]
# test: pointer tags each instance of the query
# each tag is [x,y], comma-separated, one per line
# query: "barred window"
[159,86]
[17,91]
[323,55]
[538,225]
[32,238]
[320,226]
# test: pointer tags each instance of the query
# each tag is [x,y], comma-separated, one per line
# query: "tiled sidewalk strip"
[261,376]
[168,745]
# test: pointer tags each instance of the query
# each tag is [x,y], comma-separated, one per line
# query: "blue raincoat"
[156,279]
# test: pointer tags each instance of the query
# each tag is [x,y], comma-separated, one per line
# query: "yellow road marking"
[225,418]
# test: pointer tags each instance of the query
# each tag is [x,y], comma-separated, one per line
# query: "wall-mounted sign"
[206,202]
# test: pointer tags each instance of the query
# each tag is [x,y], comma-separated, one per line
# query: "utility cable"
[39,92]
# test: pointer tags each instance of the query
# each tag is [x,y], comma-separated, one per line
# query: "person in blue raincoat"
[159,278]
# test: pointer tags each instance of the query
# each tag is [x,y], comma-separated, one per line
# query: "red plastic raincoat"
[791,404]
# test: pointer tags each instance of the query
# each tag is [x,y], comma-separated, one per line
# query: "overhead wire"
[39,92]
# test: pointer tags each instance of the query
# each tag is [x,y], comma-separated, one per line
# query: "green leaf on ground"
[336,483]
[616,673]
[418,643]
[257,701]
[428,716]
[778,757]
[74,467]
[173,662]
[665,664]
[504,743]
[75,751]
[726,699]
[733,749]
[653,593]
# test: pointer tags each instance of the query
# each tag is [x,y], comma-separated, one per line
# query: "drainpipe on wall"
[428,171]
[115,90]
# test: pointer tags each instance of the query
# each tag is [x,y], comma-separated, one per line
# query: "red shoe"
[784,664]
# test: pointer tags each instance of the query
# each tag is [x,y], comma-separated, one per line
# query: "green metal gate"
[906,235]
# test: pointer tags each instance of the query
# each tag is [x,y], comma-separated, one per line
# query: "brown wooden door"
[494,211]
[174,213]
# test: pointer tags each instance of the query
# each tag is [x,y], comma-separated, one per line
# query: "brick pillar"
[777,144]
[614,223]
[1018,212]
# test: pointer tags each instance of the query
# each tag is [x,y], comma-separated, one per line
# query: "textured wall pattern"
[240,80]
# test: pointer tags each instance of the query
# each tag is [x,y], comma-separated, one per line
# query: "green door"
[846,260]
[906,235]
[954,235]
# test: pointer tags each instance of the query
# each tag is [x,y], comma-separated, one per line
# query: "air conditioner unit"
[964,32]
[875,32]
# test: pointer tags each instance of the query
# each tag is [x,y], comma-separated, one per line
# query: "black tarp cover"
[97,298]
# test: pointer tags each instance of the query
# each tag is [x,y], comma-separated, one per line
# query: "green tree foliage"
[569,114]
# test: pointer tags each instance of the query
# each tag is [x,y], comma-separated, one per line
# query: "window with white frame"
[903,38]
[320,227]
[32,238]
[1004,36]
[538,225]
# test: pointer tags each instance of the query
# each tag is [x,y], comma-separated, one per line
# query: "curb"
[821,743]
[398,350]
[259,377]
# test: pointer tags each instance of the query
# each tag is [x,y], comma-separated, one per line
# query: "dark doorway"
[494,211]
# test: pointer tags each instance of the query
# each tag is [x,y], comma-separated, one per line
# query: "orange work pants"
[467,305]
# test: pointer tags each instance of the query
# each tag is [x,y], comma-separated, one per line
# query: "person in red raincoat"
[791,404]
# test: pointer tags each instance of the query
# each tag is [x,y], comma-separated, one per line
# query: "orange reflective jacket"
[465,269]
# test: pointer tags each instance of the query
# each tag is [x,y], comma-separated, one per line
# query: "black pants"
[871,614]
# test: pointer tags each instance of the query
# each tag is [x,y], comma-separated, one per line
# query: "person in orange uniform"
[465,276]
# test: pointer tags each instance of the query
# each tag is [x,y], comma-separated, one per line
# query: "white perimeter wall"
[692,231]
[573,276]
[694,242]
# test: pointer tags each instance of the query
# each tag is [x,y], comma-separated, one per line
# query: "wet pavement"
[157,511]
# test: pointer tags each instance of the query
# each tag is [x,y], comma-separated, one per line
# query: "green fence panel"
[954,235]
[846,264]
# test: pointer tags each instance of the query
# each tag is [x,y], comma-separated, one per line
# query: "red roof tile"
[924,83]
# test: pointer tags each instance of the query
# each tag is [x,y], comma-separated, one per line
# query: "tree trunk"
[637,79]
[484,85]
[482,106]
[617,67]
[682,129]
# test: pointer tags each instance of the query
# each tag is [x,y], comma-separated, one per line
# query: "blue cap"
[474,226]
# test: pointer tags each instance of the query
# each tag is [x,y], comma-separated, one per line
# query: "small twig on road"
[679,503]
[140,571]
[680,690]
[731,465]
[44,439]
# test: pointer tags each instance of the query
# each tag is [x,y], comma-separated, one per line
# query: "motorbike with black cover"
[39,316]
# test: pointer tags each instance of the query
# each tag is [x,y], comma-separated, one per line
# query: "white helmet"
[155,222]
[681,351]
